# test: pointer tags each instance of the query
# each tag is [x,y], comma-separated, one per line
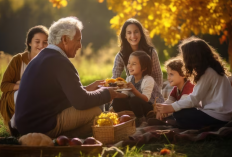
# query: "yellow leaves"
[167,23]
[173,20]
[100,1]
[211,31]
[200,18]
[59,3]
[125,3]
[121,15]
[150,17]
[172,7]
[139,7]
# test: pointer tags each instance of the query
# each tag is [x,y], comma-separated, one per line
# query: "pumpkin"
[35,139]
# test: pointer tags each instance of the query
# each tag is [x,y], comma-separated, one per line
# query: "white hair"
[64,26]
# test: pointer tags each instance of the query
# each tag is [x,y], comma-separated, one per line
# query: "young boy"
[176,77]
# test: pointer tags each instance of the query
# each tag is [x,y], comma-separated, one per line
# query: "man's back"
[40,96]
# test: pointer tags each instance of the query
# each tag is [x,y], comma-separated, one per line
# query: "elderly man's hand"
[113,94]
[94,86]
[164,108]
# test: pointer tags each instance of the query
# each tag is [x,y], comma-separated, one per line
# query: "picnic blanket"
[145,134]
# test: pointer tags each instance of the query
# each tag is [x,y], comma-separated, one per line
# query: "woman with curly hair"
[210,102]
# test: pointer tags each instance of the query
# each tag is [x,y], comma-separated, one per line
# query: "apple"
[90,140]
[165,151]
[75,142]
[62,140]
[124,118]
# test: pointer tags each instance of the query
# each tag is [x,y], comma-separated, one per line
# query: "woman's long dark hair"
[198,56]
[144,43]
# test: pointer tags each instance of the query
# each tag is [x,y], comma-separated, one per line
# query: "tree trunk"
[229,28]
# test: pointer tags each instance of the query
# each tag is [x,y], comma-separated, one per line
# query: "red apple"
[75,142]
[62,140]
[165,151]
[124,118]
[90,140]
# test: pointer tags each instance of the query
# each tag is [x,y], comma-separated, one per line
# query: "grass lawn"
[210,147]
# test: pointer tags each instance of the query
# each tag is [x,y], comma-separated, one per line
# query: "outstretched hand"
[94,86]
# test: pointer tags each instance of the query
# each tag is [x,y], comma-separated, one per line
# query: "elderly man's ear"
[64,39]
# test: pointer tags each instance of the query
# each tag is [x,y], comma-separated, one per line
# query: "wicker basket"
[114,133]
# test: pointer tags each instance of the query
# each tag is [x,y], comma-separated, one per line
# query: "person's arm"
[172,96]
[170,100]
[78,97]
[157,73]
[147,86]
[118,66]
[94,86]
[8,82]
[199,92]
[136,92]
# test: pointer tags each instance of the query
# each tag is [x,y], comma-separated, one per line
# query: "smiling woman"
[36,40]
[134,37]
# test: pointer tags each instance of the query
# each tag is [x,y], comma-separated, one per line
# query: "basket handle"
[96,118]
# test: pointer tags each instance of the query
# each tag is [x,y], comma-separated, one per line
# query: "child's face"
[174,77]
[134,66]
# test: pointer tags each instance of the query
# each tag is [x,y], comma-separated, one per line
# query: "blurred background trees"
[17,16]
[174,20]
[168,21]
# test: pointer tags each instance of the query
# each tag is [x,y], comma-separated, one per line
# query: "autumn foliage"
[175,20]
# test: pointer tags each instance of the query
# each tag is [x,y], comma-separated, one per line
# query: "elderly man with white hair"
[51,98]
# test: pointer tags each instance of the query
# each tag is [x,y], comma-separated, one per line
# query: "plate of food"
[122,89]
[119,83]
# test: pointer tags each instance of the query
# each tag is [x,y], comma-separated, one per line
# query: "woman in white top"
[212,90]
[144,88]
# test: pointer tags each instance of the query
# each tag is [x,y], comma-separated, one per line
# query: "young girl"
[133,37]
[177,79]
[144,89]
[212,90]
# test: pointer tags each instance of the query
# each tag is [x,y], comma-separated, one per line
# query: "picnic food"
[118,82]
[124,118]
[35,139]
[62,141]
[90,140]
[75,142]
[104,121]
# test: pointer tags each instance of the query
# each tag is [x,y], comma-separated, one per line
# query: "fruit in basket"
[75,142]
[62,141]
[90,140]
[124,118]
[106,119]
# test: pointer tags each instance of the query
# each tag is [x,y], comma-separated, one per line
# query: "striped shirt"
[156,73]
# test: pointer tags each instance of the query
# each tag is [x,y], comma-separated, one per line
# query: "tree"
[175,20]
